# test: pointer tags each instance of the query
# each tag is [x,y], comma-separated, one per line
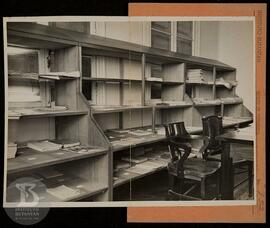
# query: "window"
[184,37]
[161,35]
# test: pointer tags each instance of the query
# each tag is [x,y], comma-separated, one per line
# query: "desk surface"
[244,135]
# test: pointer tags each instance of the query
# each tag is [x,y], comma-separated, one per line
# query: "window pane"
[161,41]
[184,28]
[184,46]
[156,91]
[164,26]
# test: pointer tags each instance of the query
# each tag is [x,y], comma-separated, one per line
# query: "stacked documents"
[198,76]
[44,146]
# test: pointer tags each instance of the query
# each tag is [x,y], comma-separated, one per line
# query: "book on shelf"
[198,76]
[67,143]
[205,101]
[136,160]
[53,108]
[12,150]
[23,75]
[138,169]
[44,146]
[154,79]
[140,132]
[231,100]
[73,74]
[63,192]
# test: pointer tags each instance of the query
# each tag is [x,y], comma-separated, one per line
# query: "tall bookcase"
[123,95]
[40,81]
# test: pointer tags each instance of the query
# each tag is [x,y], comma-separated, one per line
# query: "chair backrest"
[212,127]
[179,151]
[170,134]
[180,129]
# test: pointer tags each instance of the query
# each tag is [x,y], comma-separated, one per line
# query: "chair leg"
[250,179]
[203,188]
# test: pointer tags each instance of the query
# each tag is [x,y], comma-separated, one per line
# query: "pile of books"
[198,76]
[44,146]
[54,145]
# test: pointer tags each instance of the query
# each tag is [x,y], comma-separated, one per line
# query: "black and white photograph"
[119,111]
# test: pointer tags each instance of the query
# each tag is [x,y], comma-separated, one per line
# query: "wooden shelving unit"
[56,112]
[117,107]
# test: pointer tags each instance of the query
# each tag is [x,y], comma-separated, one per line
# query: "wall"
[209,39]
[134,32]
[231,42]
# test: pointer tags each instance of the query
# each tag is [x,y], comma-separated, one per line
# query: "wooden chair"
[182,169]
[212,126]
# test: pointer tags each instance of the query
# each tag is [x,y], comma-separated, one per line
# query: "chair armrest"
[204,147]
[186,147]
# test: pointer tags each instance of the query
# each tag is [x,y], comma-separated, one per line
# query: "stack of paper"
[154,79]
[44,146]
[198,76]
[12,149]
[227,84]
[228,100]
[63,192]
[137,160]
[67,143]
[53,108]
[140,132]
[205,101]
[57,75]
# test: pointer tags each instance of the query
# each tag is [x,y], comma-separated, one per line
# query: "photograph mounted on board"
[109,111]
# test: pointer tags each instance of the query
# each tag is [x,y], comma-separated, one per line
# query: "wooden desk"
[242,136]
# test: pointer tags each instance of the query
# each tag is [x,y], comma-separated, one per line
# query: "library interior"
[131,110]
